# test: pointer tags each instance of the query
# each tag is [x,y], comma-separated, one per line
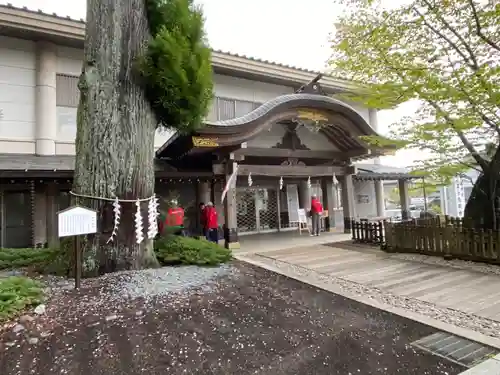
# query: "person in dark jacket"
[202,219]
[316,211]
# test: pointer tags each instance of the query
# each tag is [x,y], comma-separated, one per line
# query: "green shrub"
[46,261]
[173,250]
[17,294]
[19,258]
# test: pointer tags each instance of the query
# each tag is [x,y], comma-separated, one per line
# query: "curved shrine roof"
[339,122]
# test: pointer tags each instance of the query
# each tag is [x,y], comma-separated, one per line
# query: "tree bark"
[482,209]
[115,134]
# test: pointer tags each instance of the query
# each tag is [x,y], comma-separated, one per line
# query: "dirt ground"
[250,322]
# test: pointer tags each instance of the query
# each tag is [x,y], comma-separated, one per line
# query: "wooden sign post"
[74,222]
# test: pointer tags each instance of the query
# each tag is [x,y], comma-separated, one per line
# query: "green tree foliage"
[445,55]
[177,67]
[415,191]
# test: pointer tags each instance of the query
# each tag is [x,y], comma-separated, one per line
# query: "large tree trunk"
[482,208]
[115,136]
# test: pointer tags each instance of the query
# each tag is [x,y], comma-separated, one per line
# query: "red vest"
[175,217]
[316,206]
[210,218]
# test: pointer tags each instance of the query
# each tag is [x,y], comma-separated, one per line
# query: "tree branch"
[472,64]
[469,146]
[454,159]
[473,103]
[479,29]
[475,65]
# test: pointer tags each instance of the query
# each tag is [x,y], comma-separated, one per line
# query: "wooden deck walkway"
[465,290]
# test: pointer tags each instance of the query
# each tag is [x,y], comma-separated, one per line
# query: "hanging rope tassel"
[117,214]
[153,217]
[138,223]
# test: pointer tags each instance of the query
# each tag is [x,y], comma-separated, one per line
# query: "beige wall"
[17,95]
[22,124]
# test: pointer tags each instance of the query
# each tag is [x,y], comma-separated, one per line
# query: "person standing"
[211,222]
[201,222]
[175,218]
[316,211]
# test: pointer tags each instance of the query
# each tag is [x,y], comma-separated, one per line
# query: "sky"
[273,30]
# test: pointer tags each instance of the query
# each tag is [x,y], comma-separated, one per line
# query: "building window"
[68,96]
[227,109]
[243,107]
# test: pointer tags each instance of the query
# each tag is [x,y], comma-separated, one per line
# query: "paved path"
[286,240]
[464,290]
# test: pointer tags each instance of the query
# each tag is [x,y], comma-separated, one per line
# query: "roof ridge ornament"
[312,87]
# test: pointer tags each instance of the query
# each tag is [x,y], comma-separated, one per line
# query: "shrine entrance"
[269,162]
[257,210]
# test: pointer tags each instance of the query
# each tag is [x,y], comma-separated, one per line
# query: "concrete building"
[40,61]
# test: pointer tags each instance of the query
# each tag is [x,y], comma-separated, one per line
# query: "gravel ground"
[476,323]
[236,319]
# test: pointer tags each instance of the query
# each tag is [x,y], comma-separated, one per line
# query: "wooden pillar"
[51,214]
[231,240]
[328,204]
[404,199]
[379,198]
[304,196]
[347,201]
[203,195]
[2,218]
[203,192]
[33,212]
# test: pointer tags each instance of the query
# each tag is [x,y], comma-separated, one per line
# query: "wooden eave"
[345,127]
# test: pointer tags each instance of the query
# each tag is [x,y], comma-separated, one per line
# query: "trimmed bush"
[47,261]
[17,294]
[19,258]
[176,250]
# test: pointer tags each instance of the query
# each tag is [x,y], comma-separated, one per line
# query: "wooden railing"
[443,236]
[364,231]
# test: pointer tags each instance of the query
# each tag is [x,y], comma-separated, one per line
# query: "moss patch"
[17,294]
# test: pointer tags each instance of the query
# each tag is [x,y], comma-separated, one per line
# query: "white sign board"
[76,220]
[302,215]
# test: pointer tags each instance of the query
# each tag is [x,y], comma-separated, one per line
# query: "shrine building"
[277,129]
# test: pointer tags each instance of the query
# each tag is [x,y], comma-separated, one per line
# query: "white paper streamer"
[309,182]
[334,180]
[139,236]
[281,183]
[117,214]
[153,217]
[250,181]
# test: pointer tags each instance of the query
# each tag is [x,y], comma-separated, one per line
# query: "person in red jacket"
[211,222]
[316,211]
